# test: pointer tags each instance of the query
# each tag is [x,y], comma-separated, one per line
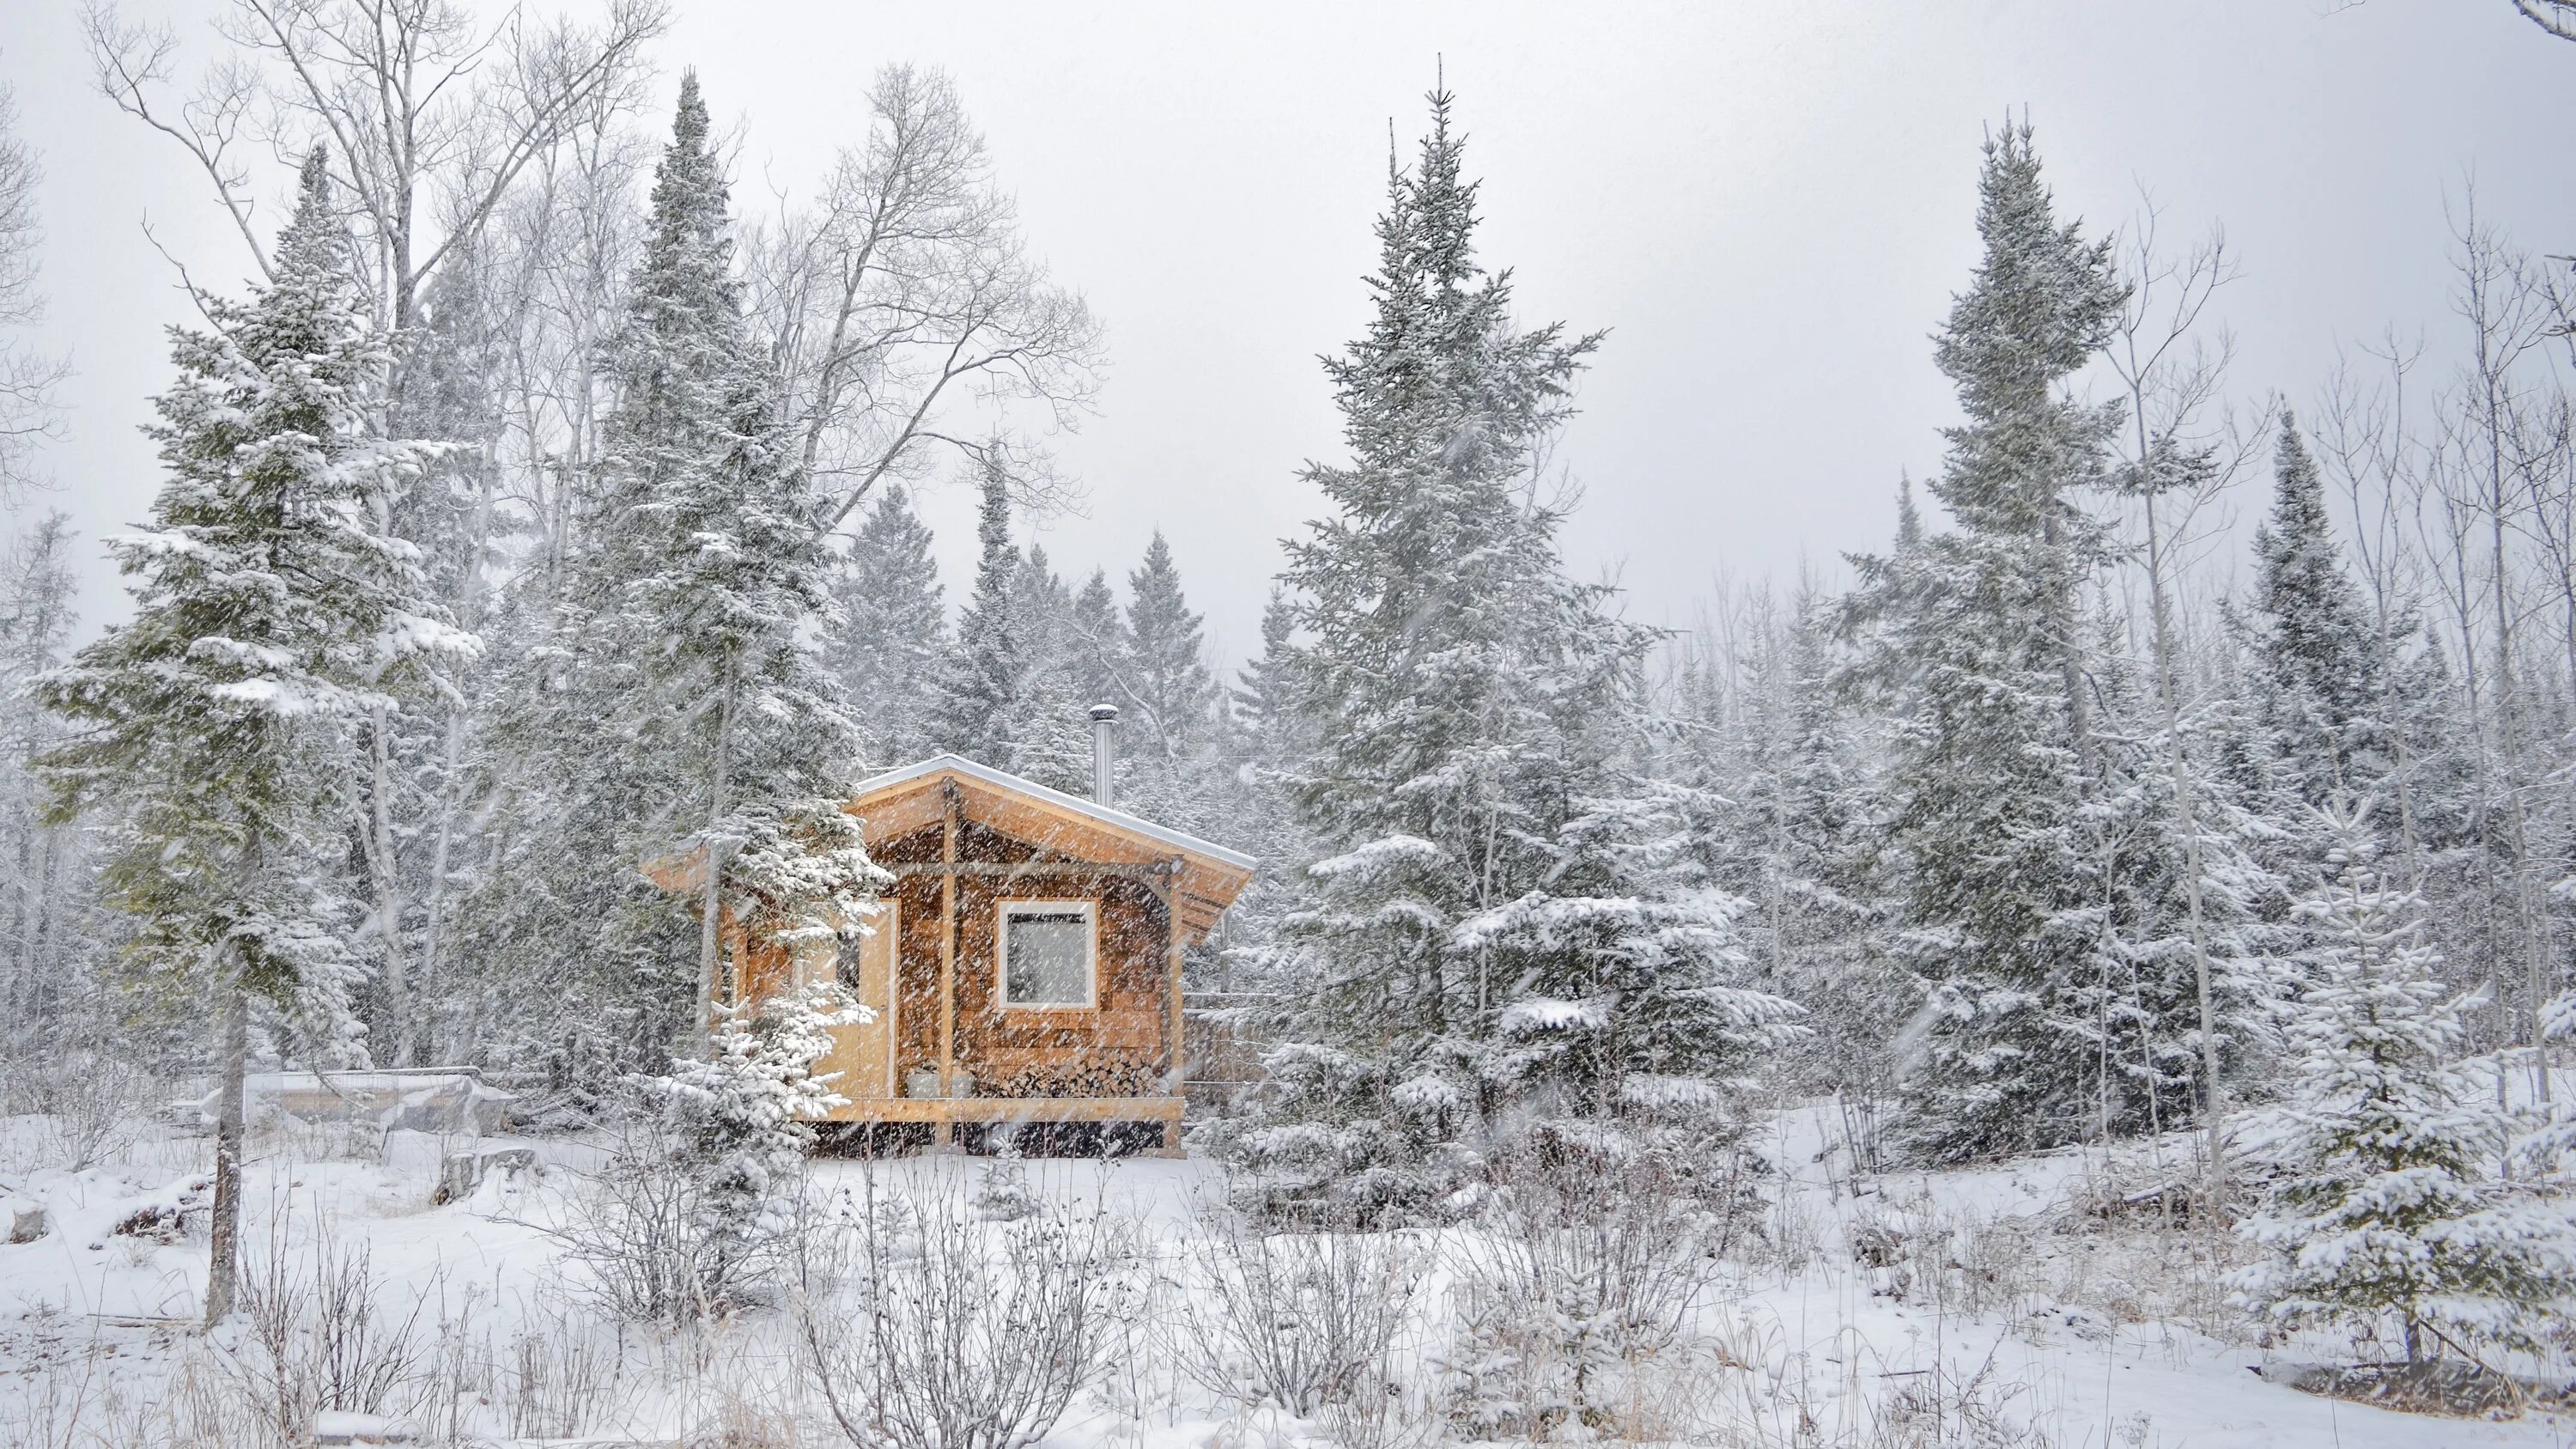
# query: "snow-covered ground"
[1948,1308]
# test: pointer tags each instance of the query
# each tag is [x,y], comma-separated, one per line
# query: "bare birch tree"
[28,415]
[433,117]
[2478,513]
[903,305]
[2172,377]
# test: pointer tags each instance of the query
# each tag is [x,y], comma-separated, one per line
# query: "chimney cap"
[1105,713]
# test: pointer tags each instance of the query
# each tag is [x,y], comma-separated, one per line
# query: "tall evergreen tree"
[1261,701]
[889,639]
[981,678]
[1494,940]
[1976,633]
[715,564]
[1171,700]
[2319,645]
[1263,738]
[1102,654]
[1174,690]
[1047,729]
[217,728]
[681,685]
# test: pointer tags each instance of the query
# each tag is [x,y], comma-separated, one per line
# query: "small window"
[1046,954]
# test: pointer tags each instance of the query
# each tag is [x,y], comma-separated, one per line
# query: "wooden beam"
[943,1134]
[945,1112]
[1173,959]
[1157,870]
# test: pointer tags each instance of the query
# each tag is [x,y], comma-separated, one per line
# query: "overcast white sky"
[1768,205]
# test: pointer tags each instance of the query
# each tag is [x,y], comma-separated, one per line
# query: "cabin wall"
[1114,1049]
[761,967]
[1117,1048]
[916,898]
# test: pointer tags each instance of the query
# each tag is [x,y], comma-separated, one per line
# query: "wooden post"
[1174,1062]
[943,1131]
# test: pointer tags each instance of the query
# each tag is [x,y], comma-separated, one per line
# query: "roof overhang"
[1207,877]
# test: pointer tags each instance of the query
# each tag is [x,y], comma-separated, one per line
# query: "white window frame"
[1004,910]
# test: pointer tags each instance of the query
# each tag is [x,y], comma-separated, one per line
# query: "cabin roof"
[929,771]
[904,799]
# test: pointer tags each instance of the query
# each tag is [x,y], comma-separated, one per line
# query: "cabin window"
[1047,953]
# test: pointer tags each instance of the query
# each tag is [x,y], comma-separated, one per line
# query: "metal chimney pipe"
[1104,754]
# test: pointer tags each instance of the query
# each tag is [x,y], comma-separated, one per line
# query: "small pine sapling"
[2381,1210]
[797,877]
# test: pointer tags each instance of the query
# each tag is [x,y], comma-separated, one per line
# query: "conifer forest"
[594,848]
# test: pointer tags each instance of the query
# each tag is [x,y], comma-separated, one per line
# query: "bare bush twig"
[1302,1320]
[957,1333]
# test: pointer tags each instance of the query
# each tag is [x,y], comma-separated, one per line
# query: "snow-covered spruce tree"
[1263,736]
[1974,635]
[216,730]
[1623,1019]
[980,678]
[888,640]
[1490,949]
[1046,733]
[796,877]
[1262,703]
[723,567]
[2322,678]
[1099,642]
[2380,1212]
[1782,817]
[681,684]
[1170,699]
[1010,692]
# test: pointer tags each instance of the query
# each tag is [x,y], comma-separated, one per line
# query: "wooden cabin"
[1025,967]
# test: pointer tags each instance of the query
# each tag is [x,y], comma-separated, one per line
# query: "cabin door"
[864,1054]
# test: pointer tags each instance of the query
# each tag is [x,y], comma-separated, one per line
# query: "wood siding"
[1118,1047]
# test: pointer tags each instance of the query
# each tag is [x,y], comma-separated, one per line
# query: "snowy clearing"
[1838,1319]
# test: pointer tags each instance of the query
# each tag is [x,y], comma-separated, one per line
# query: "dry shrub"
[1584,1272]
[1937,1410]
[86,1106]
[60,1393]
[643,1227]
[1300,1320]
[958,1333]
[553,1377]
[316,1338]
[201,1405]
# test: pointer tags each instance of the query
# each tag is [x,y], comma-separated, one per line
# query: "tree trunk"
[451,803]
[223,1269]
[389,905]
[710,940]
[2185,806]
[2509,757]
[2070,660]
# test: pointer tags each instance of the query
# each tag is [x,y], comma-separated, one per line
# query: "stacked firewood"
[1097,1074]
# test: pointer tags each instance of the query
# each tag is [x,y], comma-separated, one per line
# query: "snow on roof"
[941,764]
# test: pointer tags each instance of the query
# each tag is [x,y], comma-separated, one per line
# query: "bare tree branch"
[2558,17]
[28,379]
[906,293]
[130,63]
